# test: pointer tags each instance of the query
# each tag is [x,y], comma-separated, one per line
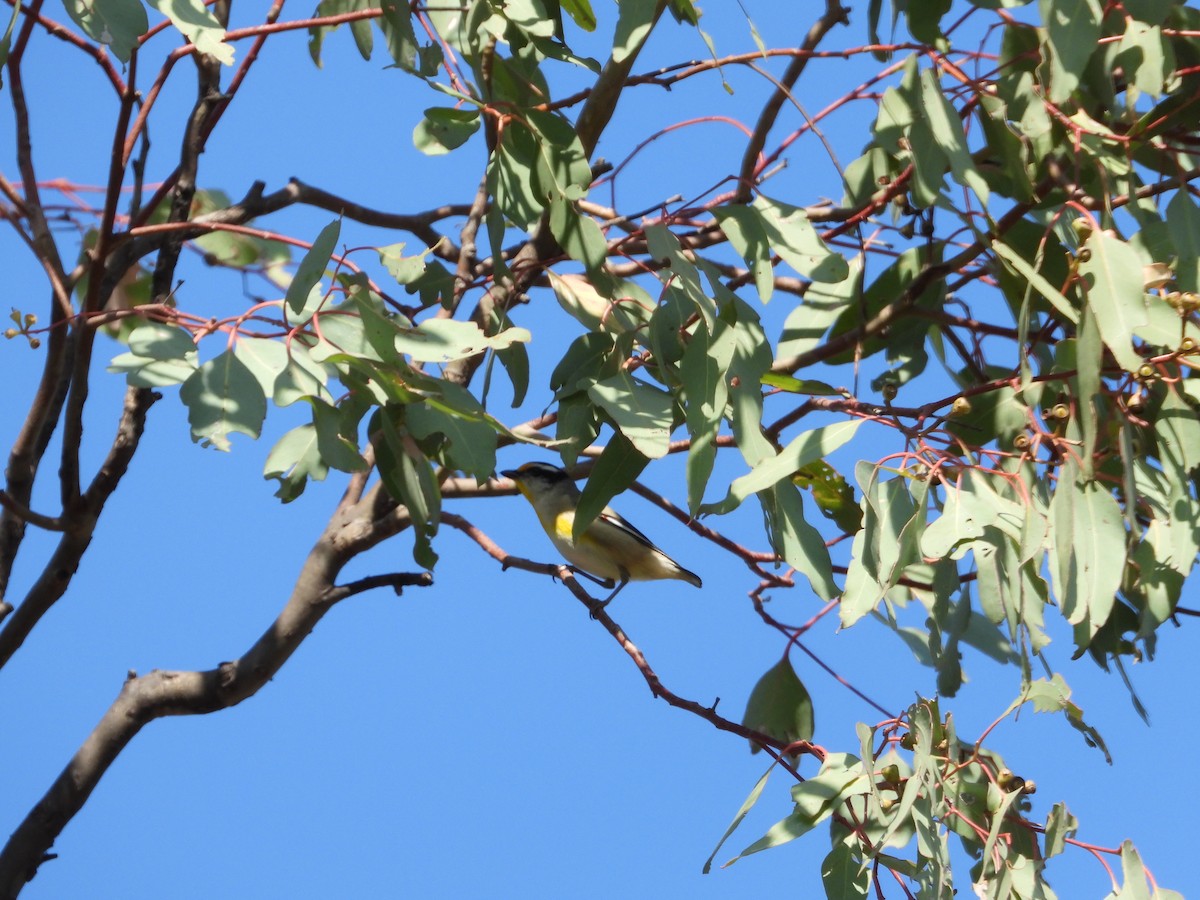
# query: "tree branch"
[175,693]
[834,14]
[78,526]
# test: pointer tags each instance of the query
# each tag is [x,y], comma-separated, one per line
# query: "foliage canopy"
[963,384]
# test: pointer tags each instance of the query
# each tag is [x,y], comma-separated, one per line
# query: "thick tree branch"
[351,530]
[34,437]
[834,14]
[601,103]
[20,511]
[78,526]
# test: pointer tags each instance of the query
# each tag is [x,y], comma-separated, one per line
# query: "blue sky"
[482,737]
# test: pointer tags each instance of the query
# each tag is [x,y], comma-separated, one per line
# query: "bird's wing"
[614,518]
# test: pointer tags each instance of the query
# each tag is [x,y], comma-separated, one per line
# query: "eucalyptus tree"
[953,371]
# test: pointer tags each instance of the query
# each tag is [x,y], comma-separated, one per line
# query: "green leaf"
[158,341]
[293,460]
[1136,887]
[590,358]
[892,525]
[336,429]
[472,440]
[948,132]
[397,28]
[617,467]
[577,427]
[1088,362]
[833,494]
[318,33]
[515,359]
[929,164]
[445,340]
[924,21]
[308,274]
[301,378]
[581,13]
[703,369]
[6,41]
[265,358]
[409,479]
[748,236]
[343,335]
[1060,825]
[1141,55]
[1072,33]
[635,18]
[795,539]
[578,234]
[1183,219]
[793,237]
[643,413]
[1115,291]
[1053,695]
[861,591]
[681,278]
[1036,280]
[780,706]
[1087,556]
[223,397]
[405,269]
[116,24]
[531,16]
[561,165]
[841,777]
[806,325]
[198,25]
[380,326]
[794,385]
[145,371]
[510,179]
[800,451]
[443,130]
[882,293]
[844,875]
[746,806]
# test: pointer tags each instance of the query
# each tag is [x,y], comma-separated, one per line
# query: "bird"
[610,550]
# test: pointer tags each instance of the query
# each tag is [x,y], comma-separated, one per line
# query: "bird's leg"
[609,599]
[595,579]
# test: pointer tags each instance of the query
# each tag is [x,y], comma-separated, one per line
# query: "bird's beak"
[510,473]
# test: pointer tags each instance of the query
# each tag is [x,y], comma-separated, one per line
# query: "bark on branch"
[354,528]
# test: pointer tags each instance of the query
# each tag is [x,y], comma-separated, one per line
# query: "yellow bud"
[1082,227]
